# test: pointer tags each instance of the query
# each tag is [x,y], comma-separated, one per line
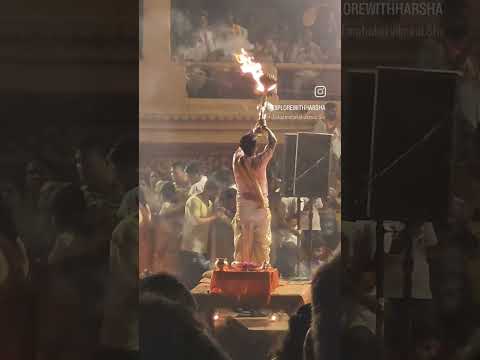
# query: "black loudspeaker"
[413,140]
[357,118]
[312,165]
[289,154]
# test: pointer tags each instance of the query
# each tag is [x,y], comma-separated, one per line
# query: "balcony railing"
[222,80]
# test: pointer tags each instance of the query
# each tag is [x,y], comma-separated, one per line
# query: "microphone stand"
[306,172]
[309,237]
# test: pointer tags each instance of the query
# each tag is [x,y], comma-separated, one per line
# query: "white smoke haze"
[228,42]
[188,48]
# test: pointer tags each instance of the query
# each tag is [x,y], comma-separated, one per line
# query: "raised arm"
[272,139]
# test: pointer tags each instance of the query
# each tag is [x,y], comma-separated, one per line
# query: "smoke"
[226,39]
[231,42]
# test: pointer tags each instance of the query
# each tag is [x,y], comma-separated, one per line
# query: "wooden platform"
[289,296]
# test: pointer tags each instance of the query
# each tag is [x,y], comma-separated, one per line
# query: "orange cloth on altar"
[255,285]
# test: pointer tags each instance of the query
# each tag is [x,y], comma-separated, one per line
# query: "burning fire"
[248,66]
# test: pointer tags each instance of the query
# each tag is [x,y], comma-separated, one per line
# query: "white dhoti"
[252,232]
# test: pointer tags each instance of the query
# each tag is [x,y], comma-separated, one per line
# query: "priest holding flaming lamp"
[252,232]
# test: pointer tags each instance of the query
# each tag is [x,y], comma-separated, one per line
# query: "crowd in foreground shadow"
[69,250]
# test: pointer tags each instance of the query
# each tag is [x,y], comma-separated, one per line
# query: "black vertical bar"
[299,240]
[407,288]
[310,237]
[380,265]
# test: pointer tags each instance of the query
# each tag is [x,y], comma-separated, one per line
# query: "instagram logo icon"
[320,91]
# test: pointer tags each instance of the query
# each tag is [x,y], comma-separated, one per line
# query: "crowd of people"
[69,253]
[194,201]
[72,253]
[197,37]
[205,81]
[193,190]
[438,320]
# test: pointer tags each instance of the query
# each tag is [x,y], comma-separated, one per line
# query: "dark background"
[68,69]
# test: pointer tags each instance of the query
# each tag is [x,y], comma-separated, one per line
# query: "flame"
[248,66]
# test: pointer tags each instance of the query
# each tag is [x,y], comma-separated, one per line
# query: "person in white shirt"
[196,179]
[205,39]
[396,240]
[397,235]
[199,215]
[291,204]
[307,235]
[395,247]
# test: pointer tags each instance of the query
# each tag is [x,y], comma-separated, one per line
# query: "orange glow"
[248,66]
